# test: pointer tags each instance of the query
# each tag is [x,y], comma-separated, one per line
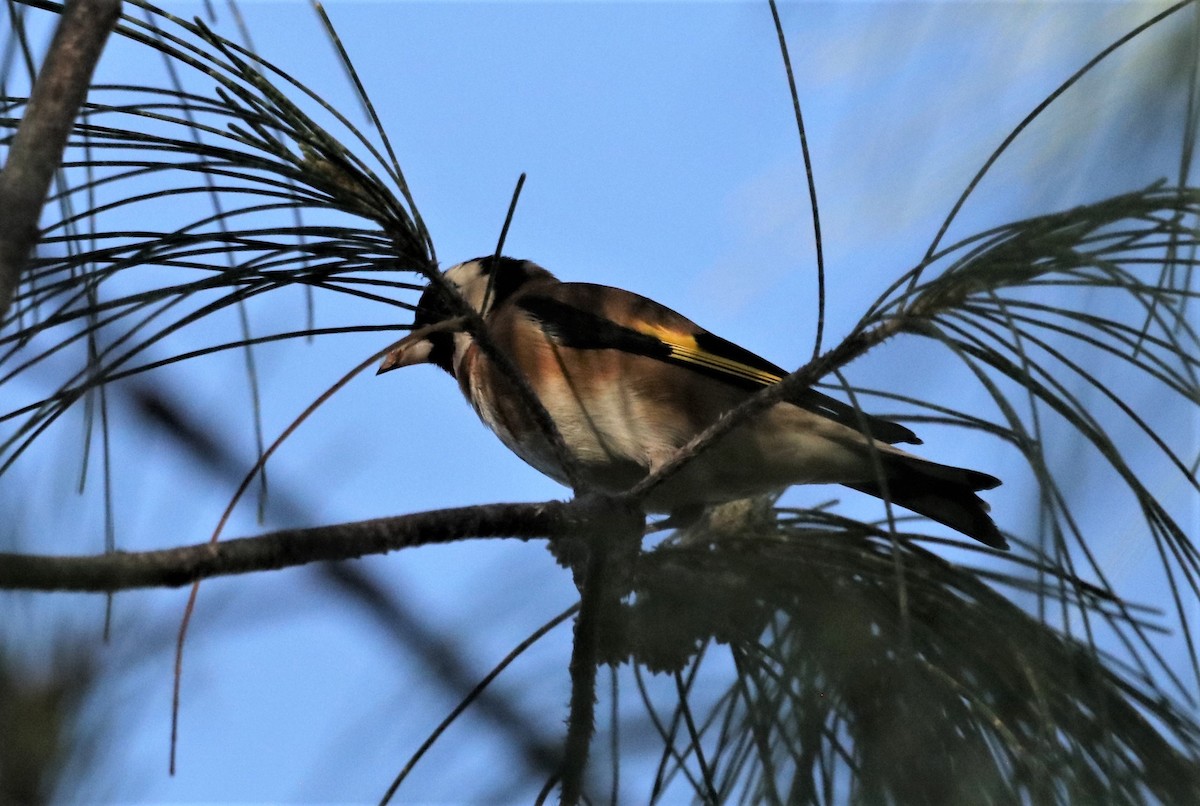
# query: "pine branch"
[282,549]
[37,147]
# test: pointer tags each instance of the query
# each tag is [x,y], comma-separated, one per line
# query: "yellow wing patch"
[684,348]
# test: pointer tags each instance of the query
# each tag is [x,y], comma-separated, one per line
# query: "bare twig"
[283,549]
[390,608]
[37,147]
[475,694]
[852,347]
[812,185]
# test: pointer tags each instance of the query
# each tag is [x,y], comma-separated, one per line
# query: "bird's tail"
[942,493]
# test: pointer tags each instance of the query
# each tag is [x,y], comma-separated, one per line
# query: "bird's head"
[432,338]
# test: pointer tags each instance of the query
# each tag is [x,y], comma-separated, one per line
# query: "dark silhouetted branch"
[37,148]
[612,532]
[283,549]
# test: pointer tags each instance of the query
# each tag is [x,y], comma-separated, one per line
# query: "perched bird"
[628,382]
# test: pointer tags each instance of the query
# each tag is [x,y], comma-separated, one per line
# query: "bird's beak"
[412,349]
[416,347]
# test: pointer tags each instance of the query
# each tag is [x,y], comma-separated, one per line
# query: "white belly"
[617,439]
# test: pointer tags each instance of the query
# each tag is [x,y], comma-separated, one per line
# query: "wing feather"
[631,323]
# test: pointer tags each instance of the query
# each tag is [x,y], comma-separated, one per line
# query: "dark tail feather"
[940,492]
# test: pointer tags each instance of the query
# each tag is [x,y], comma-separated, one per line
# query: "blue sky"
[661,156]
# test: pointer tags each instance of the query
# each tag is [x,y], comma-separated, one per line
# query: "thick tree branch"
[286,548]
[612,532]
[37,147]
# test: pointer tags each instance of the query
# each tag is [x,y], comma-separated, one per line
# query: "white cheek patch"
[470,282]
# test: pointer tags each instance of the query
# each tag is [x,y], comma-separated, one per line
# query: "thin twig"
[1020,127]
[852,347]
[694,735]
[190,608]
[473,695]
[512,209]
[812,185]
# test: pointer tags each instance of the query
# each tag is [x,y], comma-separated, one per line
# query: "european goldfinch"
[628,382]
